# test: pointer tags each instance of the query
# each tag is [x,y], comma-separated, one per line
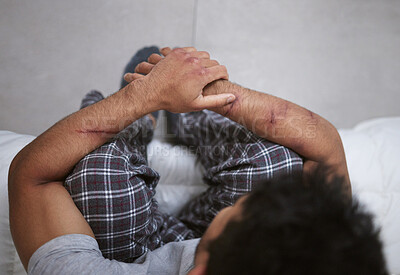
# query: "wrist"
[143,96]
[223,87]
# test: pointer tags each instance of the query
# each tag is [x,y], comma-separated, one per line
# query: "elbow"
[13,173]
[13,169]
[18,173]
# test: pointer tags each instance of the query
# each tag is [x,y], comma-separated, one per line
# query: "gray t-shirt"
[80,254]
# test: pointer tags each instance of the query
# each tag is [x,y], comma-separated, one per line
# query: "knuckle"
[177,51]
[191,49]
[223,69]
[203,72]
[180,53]
[193,60]
[205,55]
[214,62]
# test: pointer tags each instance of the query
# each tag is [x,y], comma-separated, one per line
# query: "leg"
[113,187]
[236,160]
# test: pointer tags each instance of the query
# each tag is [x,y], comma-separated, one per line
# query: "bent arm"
[288,124]
[40,208]
[277,120]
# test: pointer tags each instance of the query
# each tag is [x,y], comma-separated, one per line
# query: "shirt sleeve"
[76,254]
[80,254]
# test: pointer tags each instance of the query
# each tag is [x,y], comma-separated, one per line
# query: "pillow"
[373,155]
[10,145]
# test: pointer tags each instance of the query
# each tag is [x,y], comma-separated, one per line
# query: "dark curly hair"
[293,225]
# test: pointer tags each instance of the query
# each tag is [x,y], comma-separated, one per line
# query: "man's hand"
[40,207]
[178,80]
[277,120]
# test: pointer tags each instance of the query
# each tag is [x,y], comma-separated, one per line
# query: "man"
[113,186]
[51,234]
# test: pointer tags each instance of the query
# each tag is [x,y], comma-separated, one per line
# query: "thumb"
[214,101]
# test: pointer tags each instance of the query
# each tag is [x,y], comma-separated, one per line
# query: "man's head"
[292,226]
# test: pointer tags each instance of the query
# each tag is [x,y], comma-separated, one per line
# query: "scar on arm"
[312,118]
[90,127]
[272,119]
[278,113]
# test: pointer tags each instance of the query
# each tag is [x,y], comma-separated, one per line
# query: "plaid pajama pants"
[114,187]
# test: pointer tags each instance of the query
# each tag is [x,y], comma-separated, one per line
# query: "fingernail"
[126,75]
[230,99]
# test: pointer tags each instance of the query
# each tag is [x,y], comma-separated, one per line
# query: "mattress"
[373,155]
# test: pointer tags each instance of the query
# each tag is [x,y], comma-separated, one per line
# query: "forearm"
[284,123]
[277,120]
[53,154]
[37,199]
[272,118]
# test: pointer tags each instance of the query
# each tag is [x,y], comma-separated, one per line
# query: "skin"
[40,207]
[185,80]
[215,229]
[274,119]
[277,120]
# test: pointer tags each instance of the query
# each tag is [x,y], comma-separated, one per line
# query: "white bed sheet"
[373,155]
[373,158]
[10,144]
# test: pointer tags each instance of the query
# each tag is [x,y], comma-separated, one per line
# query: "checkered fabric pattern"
[114,187]
[235,159]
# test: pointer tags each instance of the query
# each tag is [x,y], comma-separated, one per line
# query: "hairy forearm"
[278,120]
[285,123]
[53,154]
[37,199]
[36,195]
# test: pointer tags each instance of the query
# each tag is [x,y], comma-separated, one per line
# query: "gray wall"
[338,58]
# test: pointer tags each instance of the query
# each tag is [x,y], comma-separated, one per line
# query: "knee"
[98,174]
[262,160]
[273,160]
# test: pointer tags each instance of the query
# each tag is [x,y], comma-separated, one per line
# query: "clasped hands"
[176,81]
